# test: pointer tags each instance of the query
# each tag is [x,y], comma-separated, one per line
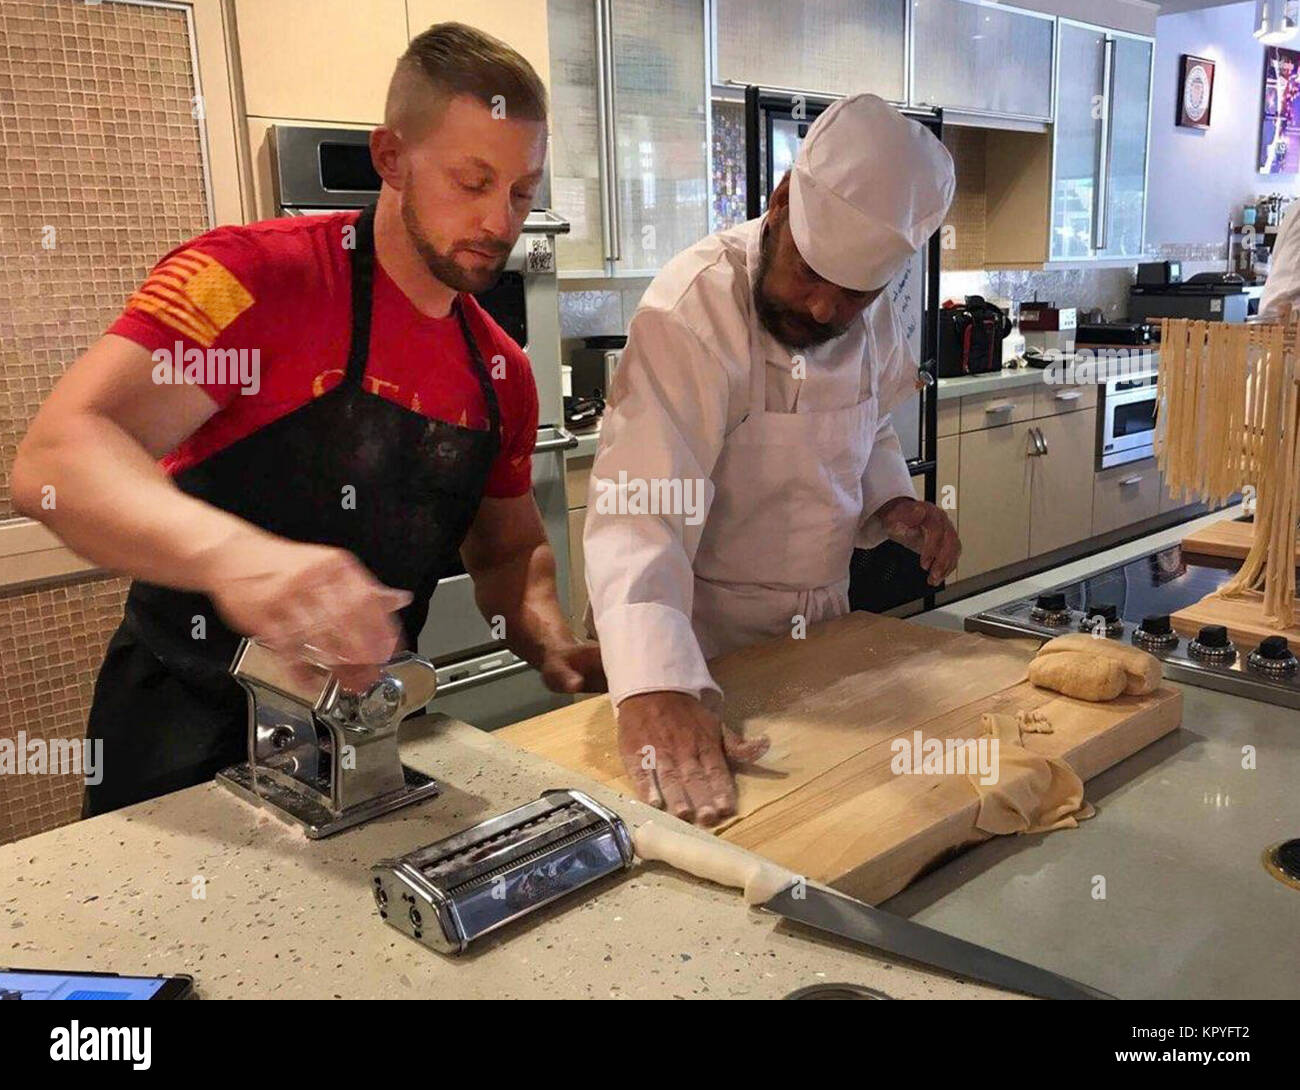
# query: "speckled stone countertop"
[284,916]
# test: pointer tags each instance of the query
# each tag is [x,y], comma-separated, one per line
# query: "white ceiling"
[1170,7]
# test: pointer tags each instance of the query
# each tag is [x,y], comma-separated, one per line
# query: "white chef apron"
[786,509]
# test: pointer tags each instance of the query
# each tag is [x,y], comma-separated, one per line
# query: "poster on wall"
[1279,138]
[1195,92]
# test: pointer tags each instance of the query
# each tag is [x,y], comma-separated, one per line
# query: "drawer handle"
[1005,407]
[1128,481]
[1069,395]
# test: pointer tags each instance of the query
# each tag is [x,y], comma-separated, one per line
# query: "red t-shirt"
[283,288]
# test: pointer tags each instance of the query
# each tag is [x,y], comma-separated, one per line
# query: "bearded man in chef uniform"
[760,369]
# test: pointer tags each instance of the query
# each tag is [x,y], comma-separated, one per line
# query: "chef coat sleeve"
[885,478]
[1282,286]
[665,422]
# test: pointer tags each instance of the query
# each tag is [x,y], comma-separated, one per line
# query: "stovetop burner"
[1133,602]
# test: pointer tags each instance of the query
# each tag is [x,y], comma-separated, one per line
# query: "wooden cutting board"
[1243,616]
[1228,538]
[824,801]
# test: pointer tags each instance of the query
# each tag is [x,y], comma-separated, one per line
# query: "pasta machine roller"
[319,754]
[452,892]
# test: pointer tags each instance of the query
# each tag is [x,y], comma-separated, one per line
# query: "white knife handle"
[713,859]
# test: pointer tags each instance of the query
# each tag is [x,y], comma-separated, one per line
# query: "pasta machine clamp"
[320,755]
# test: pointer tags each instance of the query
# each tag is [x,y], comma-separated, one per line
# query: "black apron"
[349,469]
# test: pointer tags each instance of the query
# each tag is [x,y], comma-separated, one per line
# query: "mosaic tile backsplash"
[101,174]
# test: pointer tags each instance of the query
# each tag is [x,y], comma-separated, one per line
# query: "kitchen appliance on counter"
[319,755]
[320,170]
[593,365]
[1133,601]
[1159,273]
[1117,333]
[1048,328]
[453,892]
[1126,418]
[1209,296]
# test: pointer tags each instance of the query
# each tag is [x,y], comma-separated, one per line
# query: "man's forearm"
[109,501]
[521,590]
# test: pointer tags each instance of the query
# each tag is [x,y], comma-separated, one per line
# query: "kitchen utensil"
[320,755]
[452,892]
[776,890]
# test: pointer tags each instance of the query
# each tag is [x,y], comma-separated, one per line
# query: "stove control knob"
[1155,633]
[1273,657]
[1106,617]
[1050,610]
[1212,646]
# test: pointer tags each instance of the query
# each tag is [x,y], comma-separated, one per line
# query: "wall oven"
[318,170]
[1126,419]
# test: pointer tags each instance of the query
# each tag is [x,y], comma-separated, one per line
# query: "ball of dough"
[1074,673]
[1143,669]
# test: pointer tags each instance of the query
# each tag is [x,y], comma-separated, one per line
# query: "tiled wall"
[51,644]
[101,174]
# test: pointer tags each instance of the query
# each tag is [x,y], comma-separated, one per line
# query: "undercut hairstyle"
[451,59]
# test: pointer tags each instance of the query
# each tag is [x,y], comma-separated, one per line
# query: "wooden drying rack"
[1228,420]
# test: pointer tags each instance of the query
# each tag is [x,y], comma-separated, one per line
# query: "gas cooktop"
[1133,601]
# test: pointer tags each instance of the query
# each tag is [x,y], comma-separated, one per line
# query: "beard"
[789,326]
[443,265]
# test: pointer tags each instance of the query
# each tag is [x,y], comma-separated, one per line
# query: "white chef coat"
[678,410]
[1282,287]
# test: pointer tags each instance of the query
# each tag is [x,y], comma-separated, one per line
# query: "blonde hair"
[451,59]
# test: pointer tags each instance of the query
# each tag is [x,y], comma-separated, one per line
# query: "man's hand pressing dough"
[676,753]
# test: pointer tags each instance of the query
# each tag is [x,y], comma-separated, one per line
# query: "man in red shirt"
[338,422]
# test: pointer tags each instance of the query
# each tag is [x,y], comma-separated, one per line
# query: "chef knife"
[777,890]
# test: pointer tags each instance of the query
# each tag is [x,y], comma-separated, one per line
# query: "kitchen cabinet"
[993,497]
[1060,513]
[521,24]
[577,480]
[996,408]
[1123,495]
[1101,143]
[629,166]
[319,60]
[837,47]
[982,57]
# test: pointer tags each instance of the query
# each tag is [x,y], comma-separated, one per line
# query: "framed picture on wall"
[1279,135]
[1195,91]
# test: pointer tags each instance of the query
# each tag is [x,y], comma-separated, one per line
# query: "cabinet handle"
[1104,146]
[607,146]
[1040,444]
[1069,395]
[1005,407]
[1128,482]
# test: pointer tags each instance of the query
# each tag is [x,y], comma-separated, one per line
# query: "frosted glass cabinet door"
[1126,184]
[659,130]
[835,46]
[981,57]
[1080,80]
[575,147]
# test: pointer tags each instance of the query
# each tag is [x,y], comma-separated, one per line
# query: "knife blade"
[774,889]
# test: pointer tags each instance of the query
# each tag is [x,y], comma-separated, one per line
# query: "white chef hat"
[869,186]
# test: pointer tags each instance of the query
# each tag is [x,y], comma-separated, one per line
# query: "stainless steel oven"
[1126,419]
[320,170]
